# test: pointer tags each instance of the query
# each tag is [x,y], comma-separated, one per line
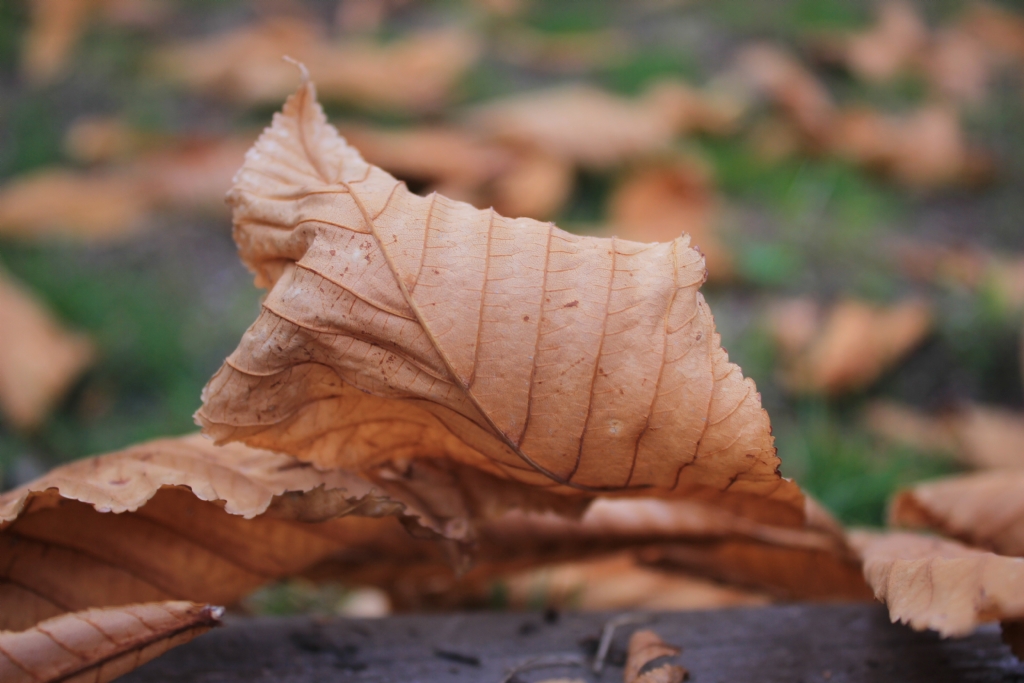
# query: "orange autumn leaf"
[100,645]
[592,128]
[854,345]
[984,509]
[908,426]
[930,583]
[39,359]
[117,200]
[645,647]
[414,73]
[400,327]
[615,582]
[182,519]
[923,149]
[657,203]
[776,75]
[989,437]
[72,204]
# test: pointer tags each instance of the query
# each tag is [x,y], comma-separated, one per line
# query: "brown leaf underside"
[399,326]
[100,645]
[183,532]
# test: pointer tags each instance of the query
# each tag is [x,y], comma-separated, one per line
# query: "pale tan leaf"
[415,73]
[985,509]
[184,519]
[616,582]
[887,49]
[998,28]
[537,185]
[990,437]
[909,426]
[959,65]
[99,645]
[435,156]
[399,326]
[39,359]
[922,149]
[855,344]
[658,202]
[775,74]
[115,201]
[68,203]
[645,647]
[596,129]
[54,31]
[930,583]
[94,139]
[57,25]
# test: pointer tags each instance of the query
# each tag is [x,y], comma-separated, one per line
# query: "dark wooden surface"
[795,644]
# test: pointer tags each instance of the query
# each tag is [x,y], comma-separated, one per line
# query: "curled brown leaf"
[583,364]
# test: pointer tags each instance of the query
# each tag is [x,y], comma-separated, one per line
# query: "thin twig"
[545,662]
[608,632]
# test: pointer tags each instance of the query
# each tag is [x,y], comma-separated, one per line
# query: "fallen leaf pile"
[922,149]
[444,398]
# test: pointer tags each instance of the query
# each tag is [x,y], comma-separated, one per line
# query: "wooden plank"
[792,643]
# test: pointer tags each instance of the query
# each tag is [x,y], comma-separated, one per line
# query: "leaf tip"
[301,66]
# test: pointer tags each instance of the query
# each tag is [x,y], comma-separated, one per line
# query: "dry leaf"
[921,150]
[990,437]
[190,173]
[579,365]
[657,203]
[615,582]
[184,519]
[56,26]
[930,583]
[432,156]
[94,139]
[888,48]
[997,28]
[112,202]
[855,345]
[596,129]
[909,426]
[72,204]
[984,509]
[959,66]
[776,75]
[39,359]
[414,73]
[681,538]
[537,185]
[100,645]
[645,647]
